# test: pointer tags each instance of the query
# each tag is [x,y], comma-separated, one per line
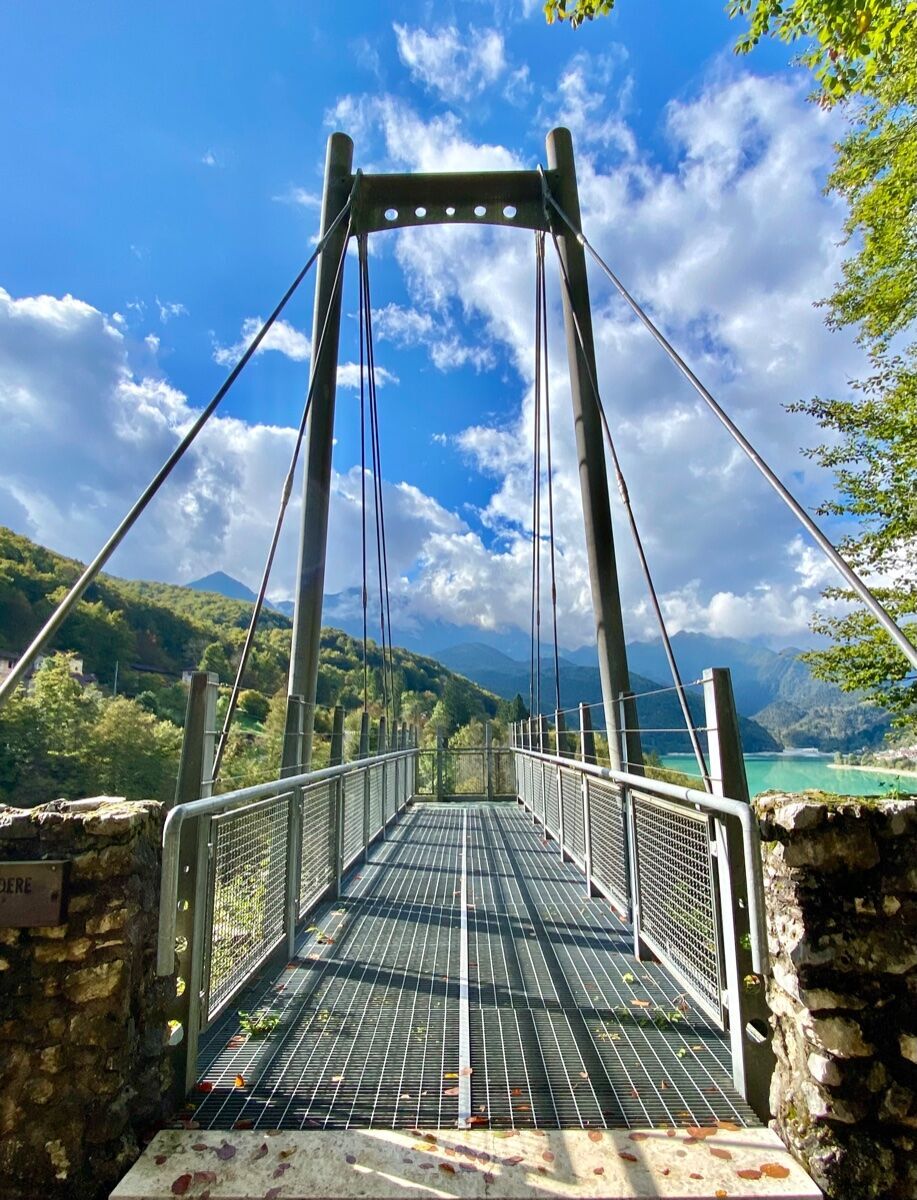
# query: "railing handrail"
[209,806]
[702,800]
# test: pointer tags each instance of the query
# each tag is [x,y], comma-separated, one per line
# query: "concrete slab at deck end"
[375,1164]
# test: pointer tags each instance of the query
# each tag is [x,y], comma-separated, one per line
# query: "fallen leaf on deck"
[774,1170]
[239,1081]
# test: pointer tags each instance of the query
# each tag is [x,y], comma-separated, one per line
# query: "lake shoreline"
[836,766]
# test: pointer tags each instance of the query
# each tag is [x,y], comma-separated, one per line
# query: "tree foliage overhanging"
[863,54]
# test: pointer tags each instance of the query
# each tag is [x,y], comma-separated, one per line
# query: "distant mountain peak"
[223,585]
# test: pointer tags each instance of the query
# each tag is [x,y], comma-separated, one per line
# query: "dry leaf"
[774,1170]
[239,1081]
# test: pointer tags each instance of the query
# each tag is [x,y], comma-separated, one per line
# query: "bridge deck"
[566,1029]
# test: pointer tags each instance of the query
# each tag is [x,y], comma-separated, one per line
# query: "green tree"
[848,44]
[216,659]
[253,705]
[132,753]
[863,54]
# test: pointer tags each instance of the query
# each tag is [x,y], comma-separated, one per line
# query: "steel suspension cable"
[535,680]
[547,422]
[365,592]
[637,539]
[66,606]
[285,494]
[880,613]
[376,454]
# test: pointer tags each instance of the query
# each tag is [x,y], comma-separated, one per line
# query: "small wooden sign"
[31,893]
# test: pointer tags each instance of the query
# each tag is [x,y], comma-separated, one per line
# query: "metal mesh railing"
[247,887]
[425,781]
[571,798]
[608,836]
[375,803]
[317,862]
[677,896]
[504,774]
[464,772]
[391,795]
[352,841]
[551,803]
[665,882]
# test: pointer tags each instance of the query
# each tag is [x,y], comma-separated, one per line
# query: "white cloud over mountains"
[728,246]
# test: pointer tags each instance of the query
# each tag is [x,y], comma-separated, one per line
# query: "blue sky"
[162,166]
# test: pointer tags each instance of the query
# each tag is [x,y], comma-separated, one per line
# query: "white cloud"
[282,337]
[728,247]
[170,309]
[349,376]
[209,159]
[299,196]
[727,244]
[456,65]
[407,327]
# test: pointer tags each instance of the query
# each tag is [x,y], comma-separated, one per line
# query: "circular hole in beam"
[420,212]
[391,214]
[450,211]
[509,212]
[480,211]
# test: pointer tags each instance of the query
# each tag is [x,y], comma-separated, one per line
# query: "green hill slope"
[154,631]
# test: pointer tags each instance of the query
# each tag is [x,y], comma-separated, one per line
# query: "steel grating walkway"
[564,1029]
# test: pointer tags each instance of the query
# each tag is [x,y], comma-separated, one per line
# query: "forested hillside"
[63,739]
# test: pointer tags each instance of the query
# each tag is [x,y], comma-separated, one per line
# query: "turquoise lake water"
[796,773]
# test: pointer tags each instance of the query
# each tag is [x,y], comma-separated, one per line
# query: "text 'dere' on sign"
[31,893]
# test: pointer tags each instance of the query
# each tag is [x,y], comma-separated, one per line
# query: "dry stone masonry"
[82,1069]
[841,884]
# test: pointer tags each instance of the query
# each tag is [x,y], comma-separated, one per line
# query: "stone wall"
[82,1072]
[841,885]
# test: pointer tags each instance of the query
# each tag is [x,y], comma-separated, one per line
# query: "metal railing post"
[559,736]
[489,758]
[628,718]
[381,748]
[336,838]
[291,764]
[365,734]
[193,909]
[543,746]
[749,1031]
[439,765]
[587,755]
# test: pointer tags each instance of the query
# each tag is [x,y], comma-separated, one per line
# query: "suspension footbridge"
[520,968]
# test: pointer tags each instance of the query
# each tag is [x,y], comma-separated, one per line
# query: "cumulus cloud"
[454,64]
[727,247]
[408,327]
[727,244]
[282,337]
